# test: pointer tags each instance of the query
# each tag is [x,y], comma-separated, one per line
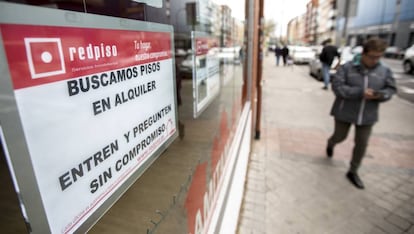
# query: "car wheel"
[408,67]
[310,71]
[319,75]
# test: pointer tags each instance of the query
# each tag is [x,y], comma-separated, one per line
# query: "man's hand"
[370,94]
[338,64]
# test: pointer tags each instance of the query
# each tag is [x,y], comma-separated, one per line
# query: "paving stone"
[388,227]
[405,213]
[250,229]
[253,221]
[401,196]
[376,230]
[408,189]
[399,222]
[255,193]
[393,199]
[382,189]
[411,230]
[378,211]
[250,207]
[385,204]
[255,186]
[346,228]
[360,222]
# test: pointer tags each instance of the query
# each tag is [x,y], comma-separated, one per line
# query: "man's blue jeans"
[325,74]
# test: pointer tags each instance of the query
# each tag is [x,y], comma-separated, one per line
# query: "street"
[292,187]
[391,109]
[405,82]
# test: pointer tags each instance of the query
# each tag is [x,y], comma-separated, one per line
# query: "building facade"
[327,20]
[311,22]
[350,22]
[296,30]
[391,20]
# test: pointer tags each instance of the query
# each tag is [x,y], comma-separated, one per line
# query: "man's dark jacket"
[349,84]
[328,54]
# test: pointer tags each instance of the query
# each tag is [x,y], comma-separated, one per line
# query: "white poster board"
[95,104]
[206,71]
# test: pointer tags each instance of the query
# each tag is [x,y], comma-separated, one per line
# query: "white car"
[408,62]
[229,55]
[301,54]
[409,52]
[186,66]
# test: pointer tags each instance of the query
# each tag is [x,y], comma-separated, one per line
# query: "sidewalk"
[292,187]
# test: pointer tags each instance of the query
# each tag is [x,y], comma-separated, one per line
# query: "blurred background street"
[405,82]
[292,187]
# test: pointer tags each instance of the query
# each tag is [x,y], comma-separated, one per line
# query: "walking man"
[329,52]
[278,53]
[285,54]
[359,86]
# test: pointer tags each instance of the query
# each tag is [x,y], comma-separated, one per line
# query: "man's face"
[371,58]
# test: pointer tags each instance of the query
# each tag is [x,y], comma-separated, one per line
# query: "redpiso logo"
[44,56]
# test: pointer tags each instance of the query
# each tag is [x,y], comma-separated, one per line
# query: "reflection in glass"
[167,191]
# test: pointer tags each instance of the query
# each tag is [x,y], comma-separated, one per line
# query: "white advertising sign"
[206,71]
[95,105]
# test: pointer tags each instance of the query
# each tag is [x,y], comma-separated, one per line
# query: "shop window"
[170,195]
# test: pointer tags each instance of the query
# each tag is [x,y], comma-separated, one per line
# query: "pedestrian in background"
[328,54]
[285,54]
[278,53]
[360,87]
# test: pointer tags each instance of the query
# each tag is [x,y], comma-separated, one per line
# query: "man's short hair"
[374,44]
[327,41]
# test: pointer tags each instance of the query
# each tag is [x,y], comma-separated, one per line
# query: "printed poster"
[94,104]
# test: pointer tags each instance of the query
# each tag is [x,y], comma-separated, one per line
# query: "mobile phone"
[378,93]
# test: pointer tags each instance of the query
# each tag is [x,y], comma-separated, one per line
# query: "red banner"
[204,45]
[40,55]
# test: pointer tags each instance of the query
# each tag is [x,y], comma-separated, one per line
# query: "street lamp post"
[346,15]
[382,19]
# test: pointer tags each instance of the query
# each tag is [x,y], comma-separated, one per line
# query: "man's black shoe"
[355,180]
[329,151]
[325,88]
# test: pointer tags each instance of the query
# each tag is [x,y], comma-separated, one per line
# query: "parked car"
[409,51]
[317,49]
[408,62]
[186,66]
[408,65]
[394,52]
[229,55]
[347,54]
[301,54]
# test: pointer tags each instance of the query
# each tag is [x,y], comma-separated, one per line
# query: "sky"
[281,11]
